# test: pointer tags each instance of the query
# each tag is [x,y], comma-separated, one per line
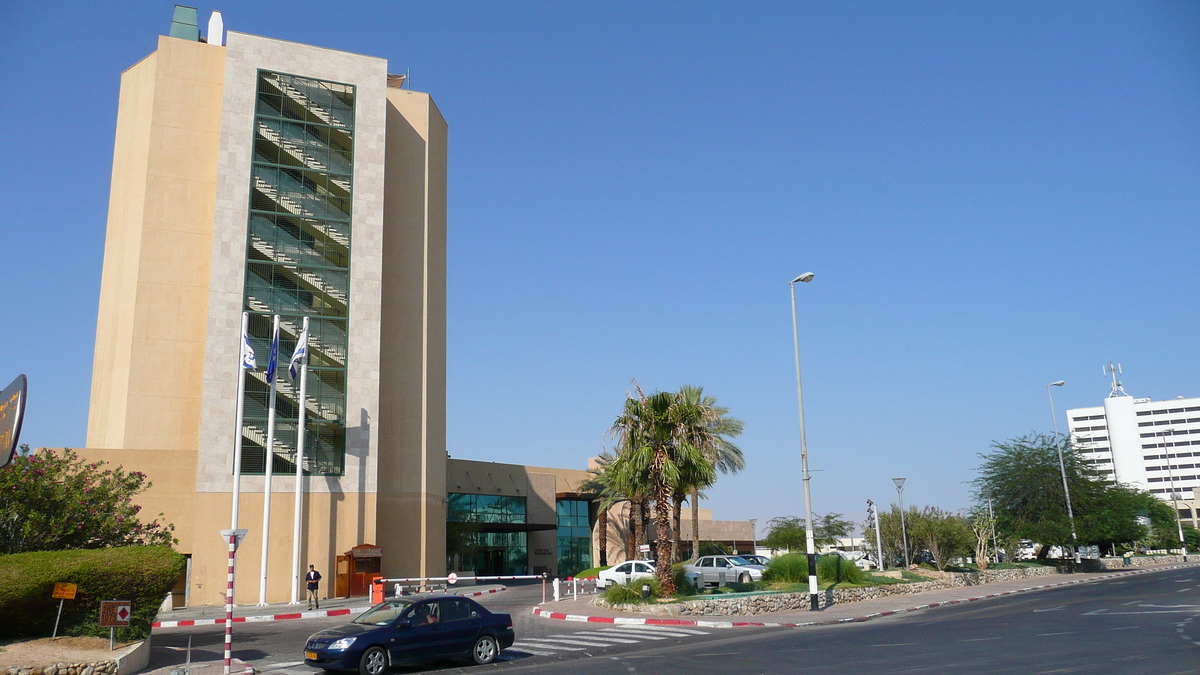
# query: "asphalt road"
[1138,624]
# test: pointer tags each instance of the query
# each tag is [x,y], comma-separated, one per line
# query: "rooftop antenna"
[1114,370]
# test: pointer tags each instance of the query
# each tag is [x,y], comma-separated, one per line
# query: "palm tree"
[659,439]
[720,452]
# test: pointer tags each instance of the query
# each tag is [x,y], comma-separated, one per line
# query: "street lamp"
[810,545]
[903,531]
[1062,467]
[1174,495]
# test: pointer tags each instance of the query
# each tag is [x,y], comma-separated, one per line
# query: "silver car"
[709,569]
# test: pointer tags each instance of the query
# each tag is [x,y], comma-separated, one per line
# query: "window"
[641,567]
[721,562]
[298,265]
[705,562]
[624,568]
[472,508]
[574,536]
[456,610]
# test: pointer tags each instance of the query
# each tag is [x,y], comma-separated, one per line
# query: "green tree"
[787,532]
[718,449]
[944,534]
[658,440]
[55,501]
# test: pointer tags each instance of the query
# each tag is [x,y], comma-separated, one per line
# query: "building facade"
[1151,445]
[265,177]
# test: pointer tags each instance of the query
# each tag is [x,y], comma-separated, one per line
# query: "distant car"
[630,570]
[411,629]
[756,559]
[736,568]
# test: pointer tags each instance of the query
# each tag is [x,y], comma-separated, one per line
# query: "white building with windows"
[1151,445]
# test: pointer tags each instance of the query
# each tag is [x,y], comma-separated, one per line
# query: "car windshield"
[738,560]
[381,615]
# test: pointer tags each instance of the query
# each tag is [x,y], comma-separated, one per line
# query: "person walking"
[314,583]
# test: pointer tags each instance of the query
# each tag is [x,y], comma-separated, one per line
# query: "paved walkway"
[213,614]
[584,610]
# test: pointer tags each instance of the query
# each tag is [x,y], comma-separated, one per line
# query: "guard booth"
[355,569]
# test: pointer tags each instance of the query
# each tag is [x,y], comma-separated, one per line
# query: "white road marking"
[529,650]
[1050,609]
[521,646]
[674,629]
[1123,604]
[1069,632]
[626,632]
[571,641]
[979,639]
[606,638]
[276,666]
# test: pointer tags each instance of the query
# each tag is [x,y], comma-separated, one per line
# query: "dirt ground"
[45,651]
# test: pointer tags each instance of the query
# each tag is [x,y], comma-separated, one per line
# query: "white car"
[630,570]
[709,568]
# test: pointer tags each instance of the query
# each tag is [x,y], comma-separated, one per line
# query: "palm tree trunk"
[662,514]
[602,526]
[676,515]
[635,519]
[695,522]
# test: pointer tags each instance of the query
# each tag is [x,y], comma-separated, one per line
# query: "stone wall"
[779,602]
[1140,561]
[108,667]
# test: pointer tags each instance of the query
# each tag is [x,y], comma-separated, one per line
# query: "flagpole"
[270,461]
[241,410]
[299,467]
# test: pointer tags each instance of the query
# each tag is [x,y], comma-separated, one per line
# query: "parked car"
[630,570]
[736,568]
[411,629]
[756,559]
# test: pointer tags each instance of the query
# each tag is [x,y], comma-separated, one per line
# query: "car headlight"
[344,643]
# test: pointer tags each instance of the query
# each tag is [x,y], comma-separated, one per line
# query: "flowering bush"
[52,501]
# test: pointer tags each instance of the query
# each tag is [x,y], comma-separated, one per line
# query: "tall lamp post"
[810,545]
[1062,467]
[1174,495]
[873,510]
[903,530]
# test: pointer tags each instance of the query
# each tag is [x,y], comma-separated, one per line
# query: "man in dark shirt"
[314,582]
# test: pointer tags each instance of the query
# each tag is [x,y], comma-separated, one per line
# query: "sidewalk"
[214,614]
[584,610]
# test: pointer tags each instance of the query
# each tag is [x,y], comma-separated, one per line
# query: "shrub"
[683,585]
[631,593]
[836,569]
[789,568]
[140,574]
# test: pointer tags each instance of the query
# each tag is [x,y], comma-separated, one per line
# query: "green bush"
[631,593]
[683,585]
[788,568]
[140,574]
[836,569]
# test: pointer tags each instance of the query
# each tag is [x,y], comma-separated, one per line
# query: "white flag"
[298,356]
[248,360]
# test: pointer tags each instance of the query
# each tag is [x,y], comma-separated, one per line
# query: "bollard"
[574,588]
[557,594]
[721,578]
[543,588]
[645,591]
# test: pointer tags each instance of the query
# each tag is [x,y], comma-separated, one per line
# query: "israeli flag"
[248,360]
[273,362]
[298,356]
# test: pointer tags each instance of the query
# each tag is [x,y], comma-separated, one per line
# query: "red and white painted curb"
[627,620]
[315,614]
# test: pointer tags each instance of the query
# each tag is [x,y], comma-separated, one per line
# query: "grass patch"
[591,572]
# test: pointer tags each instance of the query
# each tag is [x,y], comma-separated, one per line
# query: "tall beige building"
[269,177]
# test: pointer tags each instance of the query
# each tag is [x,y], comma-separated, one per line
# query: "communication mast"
[1114,370]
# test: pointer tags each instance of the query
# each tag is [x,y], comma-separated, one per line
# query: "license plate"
[312,656]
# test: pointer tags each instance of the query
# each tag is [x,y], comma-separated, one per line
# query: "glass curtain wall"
[298,265]
[468,547]
[574,536]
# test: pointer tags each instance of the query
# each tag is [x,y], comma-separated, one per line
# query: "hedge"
[140,574]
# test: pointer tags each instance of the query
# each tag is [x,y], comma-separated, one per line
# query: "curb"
[316,614]
[538,611]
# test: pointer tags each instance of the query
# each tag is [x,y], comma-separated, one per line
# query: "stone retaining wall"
[780,602]
[108,667]
[1141,561]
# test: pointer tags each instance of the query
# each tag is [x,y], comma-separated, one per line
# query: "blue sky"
[992,198]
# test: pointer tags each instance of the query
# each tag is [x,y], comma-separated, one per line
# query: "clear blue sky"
[992,198]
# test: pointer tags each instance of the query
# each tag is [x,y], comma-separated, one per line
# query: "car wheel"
[373,662]
[744,578]
[485,650]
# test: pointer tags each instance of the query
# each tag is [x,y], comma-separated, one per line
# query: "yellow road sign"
[64,591]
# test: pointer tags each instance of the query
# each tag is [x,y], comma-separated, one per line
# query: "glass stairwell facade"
[298,265]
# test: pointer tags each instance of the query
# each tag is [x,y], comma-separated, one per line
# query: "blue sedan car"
[409,630]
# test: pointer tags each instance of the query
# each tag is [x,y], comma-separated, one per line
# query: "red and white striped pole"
[229,605]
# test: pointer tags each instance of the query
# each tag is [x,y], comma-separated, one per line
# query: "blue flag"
[273,363]
[298,356]
[248,360]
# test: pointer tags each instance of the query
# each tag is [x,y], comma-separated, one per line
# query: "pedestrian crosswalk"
[604,637]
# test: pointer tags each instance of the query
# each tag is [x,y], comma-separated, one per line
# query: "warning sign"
[115,613]
[64,591]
